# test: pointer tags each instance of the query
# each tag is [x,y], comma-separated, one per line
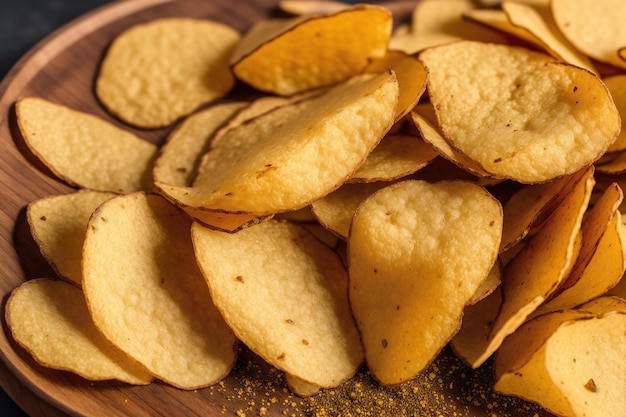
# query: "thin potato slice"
[85,150]
[411,75]
[338,46]
[594,27]
[396,156]
[407,253]
[335,211]
[148,297]
[285,159]
[498,20]
[538,21]
[574,365]
[157,72]
[601,261]
[179,159]
[617,87]
[536,120]
[58,225]
[533,275]
[50,319]
[284,294]
[438,22]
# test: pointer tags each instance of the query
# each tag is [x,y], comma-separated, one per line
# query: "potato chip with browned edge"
[85,150]
[179,158]
[287,158]
[536,120]
[284,294]
[147,295]
[594,27]
[49,318]
[534,273]
[58,224]
[601,262]
[338,46]
[410,278]
[157,72]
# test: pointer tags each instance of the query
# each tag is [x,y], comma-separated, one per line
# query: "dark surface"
[23,23]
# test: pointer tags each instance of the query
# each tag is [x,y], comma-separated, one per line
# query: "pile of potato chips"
[455,179]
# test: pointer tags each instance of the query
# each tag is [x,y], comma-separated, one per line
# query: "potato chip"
[147,296]
[410,277]
[49,318]
[594,27]
[312,7]
[533,275]
[300,387]
[339,45]
[601,261]
[85,150]
[538,21]
[425,120]
[285,159]
[438,22]
[617,87]
[335,211]
[535,121]
[309,333]
[179,159]
[498,20]
[574,366]
[396,156]
[157,72]
[411,75]
[58,225]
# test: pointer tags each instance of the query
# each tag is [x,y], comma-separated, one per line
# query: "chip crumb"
[591,385]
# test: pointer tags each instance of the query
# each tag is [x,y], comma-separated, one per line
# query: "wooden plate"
[61,68]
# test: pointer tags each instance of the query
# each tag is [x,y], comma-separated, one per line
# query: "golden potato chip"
[605,305]
[533,275]
[156,72]
[335,211]
[284,293]
[489,285]
[498,20]
[338,45]
[58,225]
[178,160]
[601,261]
[147,296]
[617,87]
[85,150]
[411,75]
[537,20]
[312,7]
[289,157]
[438,22]
[594,27]
[49,318]
[408,252]
[300,387]
[520,366]
[425,120]
[529,207]
[396,156]
[575,366]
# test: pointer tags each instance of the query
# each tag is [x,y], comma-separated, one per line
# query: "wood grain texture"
[62,68]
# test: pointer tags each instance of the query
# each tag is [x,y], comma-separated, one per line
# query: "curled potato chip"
[156,72]
[310,333]
[544,262]
[407,252]
[58,225]
[569,362]
[85,150]
[147,296]
[594,27]
[178,160]
[50,319]
[601,261]
[437,22]
[339,45]
[617,87]
[535,121]
[289,157]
